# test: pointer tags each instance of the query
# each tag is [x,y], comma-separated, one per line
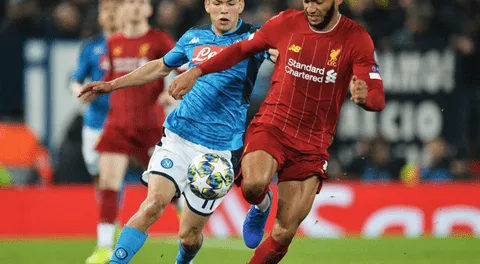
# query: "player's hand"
[92,90]
[358,91]
[183,83]
[273,54]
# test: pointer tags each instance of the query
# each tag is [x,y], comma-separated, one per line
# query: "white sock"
[106,235]
[263,206]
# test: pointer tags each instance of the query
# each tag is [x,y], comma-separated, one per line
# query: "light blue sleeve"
[177,56]
[83,66]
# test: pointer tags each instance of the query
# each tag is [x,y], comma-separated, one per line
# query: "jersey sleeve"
[177,57]
[83,66]
[366,68]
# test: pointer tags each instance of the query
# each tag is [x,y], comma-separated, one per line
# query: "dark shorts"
[132,142]
[293,165]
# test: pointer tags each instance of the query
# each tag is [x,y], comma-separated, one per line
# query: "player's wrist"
[114,85]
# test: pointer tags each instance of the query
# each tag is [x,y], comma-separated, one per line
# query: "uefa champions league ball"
[210,176]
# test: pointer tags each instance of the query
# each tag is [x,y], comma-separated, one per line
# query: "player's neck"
[331,25]
[135,30]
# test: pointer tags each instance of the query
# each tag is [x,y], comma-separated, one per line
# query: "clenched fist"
[358,91]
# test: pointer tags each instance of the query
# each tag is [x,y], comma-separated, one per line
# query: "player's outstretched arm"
[226,59]
[149,72]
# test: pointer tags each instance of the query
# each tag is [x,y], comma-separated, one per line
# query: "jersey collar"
[240,22]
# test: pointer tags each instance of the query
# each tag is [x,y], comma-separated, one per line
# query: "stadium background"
[411,171]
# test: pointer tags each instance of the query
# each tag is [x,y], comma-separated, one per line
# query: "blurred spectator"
[65,21]
[168,18]
[437,163]
[467,45]
[378,163]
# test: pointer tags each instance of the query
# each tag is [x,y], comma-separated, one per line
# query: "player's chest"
[99,59]
[319,52]
[128,56]
[205,50]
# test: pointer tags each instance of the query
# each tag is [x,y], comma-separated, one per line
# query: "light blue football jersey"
[213,113]
[93,63]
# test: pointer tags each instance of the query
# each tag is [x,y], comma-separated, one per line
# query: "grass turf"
[342,251]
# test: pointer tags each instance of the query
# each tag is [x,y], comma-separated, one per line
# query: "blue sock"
[129,243]
[183,256]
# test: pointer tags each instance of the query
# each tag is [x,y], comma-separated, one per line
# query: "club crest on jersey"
[203,53]
[143,50]
[333,57]
[117,51]
[295,48]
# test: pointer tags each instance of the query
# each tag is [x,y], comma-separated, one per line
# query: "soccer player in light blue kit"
[210,119]
[93,63]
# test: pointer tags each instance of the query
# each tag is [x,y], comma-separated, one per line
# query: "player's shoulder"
[117,37]
[93,41]
[158,33]
[354,29]
[289,14]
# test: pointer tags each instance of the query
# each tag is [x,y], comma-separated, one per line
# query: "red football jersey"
[138,107]
[311,76]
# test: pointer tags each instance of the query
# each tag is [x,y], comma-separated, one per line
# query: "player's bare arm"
[149,72]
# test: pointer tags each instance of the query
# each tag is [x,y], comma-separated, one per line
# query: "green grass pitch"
[343,251]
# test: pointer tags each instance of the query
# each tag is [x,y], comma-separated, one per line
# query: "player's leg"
[166,179]
[258,170]
[161,190]
[113,167]
[262,159]
[190,235]
[295,199]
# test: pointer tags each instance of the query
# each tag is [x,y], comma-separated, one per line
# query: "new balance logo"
[295,48]
[331,76]
[194,40]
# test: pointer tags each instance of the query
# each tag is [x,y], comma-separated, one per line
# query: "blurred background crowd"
[395,25]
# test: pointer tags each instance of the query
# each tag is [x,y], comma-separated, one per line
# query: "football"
[210,176]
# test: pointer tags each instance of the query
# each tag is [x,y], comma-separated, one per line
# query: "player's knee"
[190,238]
[153,206]
[284,233]
[252,189]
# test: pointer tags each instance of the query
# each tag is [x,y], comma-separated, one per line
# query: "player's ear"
[207,6]
[242,6]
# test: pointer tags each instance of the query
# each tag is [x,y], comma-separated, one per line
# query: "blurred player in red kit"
[134,124]
[321,55]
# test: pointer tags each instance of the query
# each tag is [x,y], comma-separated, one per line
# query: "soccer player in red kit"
[322,54]
[134,124]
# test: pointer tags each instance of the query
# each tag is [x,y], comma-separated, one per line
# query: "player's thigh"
[263,156]
[295,200]
[91,157]
[169,161]
[161,191]
[113,167]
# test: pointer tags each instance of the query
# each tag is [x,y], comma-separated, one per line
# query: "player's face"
[320,12]
[135,11]
[109,17]
[224,13]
